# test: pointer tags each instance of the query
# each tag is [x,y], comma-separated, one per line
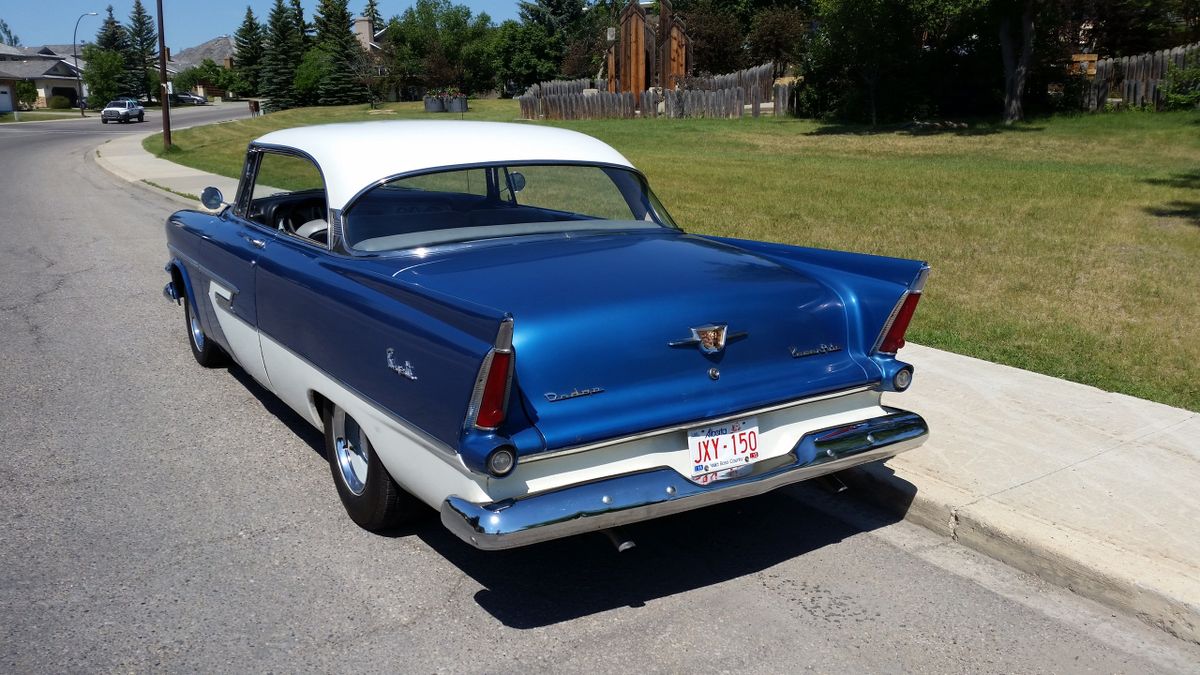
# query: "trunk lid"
[595,316]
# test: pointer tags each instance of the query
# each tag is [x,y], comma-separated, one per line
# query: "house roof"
[61,50]
[353,156]
[36,68]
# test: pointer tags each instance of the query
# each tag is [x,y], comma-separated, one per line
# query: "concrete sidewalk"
[1094,491]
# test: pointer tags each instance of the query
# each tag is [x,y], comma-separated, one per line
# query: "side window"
[585,190]
[289,196]
[469,182]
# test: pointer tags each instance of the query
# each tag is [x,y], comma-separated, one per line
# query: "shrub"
[58,103]
[27,94]
[1182,88]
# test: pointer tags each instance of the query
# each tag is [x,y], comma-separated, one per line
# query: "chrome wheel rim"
[352,452]
[196,331]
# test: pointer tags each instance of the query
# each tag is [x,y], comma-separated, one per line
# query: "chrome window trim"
[689,425]
[663,220]
[250,176]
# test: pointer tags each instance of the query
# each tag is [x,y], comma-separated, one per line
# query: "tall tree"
[102,74]
[247,60]
[7,37]
[112,37]
[303,28]
[339,84]
[371,13]
[143,50]
[1016,30]
[281,53]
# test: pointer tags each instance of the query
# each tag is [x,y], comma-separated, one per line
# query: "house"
[50,74]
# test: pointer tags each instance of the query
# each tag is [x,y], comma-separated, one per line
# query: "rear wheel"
[372,499]
[206,352]
[141,117]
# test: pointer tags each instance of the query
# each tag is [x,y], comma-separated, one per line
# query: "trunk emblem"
[710,339]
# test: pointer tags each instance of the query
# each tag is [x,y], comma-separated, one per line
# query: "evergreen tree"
[8,38]
[339,84]
[113,38]
[302,27]
[282,52]
[249,55]
[372,14]
[143,50]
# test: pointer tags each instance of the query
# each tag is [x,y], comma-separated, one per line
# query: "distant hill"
[218,49]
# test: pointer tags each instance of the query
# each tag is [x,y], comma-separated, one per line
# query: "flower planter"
[457,104]
[435,104]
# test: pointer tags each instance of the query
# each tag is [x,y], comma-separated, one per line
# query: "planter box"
[458,104]
[435,104]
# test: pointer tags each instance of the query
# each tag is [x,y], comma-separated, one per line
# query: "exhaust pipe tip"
[619,540]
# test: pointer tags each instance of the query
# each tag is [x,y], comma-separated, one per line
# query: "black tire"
[103,121]
[377,503]
[141,117]
[206,352]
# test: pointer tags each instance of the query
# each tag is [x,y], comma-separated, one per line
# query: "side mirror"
[517,180]
[212,199]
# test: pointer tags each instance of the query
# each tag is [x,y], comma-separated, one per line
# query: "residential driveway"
[156,515]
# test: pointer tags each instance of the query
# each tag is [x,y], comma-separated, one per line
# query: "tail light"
[492,402]
[893,339]
[489,400]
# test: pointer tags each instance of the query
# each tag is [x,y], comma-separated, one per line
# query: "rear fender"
[871,287]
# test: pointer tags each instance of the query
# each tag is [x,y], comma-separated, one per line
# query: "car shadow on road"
[579,576]
[272,404]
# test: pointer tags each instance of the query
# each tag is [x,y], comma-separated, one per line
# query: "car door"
[233,253]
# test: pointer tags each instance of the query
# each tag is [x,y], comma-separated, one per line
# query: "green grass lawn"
[35,115]
[1068,246]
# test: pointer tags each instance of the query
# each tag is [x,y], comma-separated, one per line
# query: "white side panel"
[778,433]
[418,463]
[242,337]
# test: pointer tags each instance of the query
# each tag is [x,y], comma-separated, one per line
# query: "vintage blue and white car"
[502,321]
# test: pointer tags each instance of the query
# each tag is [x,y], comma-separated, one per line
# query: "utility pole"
[75,54]
[163,98]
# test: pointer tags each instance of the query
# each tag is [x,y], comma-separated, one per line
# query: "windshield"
[115,104]
[498,201]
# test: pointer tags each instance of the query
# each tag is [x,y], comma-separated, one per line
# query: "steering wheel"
[313,227]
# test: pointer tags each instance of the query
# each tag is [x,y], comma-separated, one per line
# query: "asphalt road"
[158,516]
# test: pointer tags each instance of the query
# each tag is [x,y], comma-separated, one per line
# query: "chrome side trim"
[695,423]
[609,502]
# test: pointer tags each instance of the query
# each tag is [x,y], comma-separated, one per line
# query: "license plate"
[723,451]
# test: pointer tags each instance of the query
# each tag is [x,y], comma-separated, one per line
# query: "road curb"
[114,169]
[1092,569]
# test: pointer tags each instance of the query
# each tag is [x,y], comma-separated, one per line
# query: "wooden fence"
[717,97]
[762,76]
[1137,80]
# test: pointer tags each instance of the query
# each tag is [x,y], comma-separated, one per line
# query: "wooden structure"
[646,54]
[1137,80]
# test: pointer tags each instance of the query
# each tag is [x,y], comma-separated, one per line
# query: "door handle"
[256,243]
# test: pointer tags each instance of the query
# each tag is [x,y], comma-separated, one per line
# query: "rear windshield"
[498,201]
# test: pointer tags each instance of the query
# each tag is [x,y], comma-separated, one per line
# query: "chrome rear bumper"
[610,502]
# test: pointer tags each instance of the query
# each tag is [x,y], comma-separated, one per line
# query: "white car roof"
[353,156]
